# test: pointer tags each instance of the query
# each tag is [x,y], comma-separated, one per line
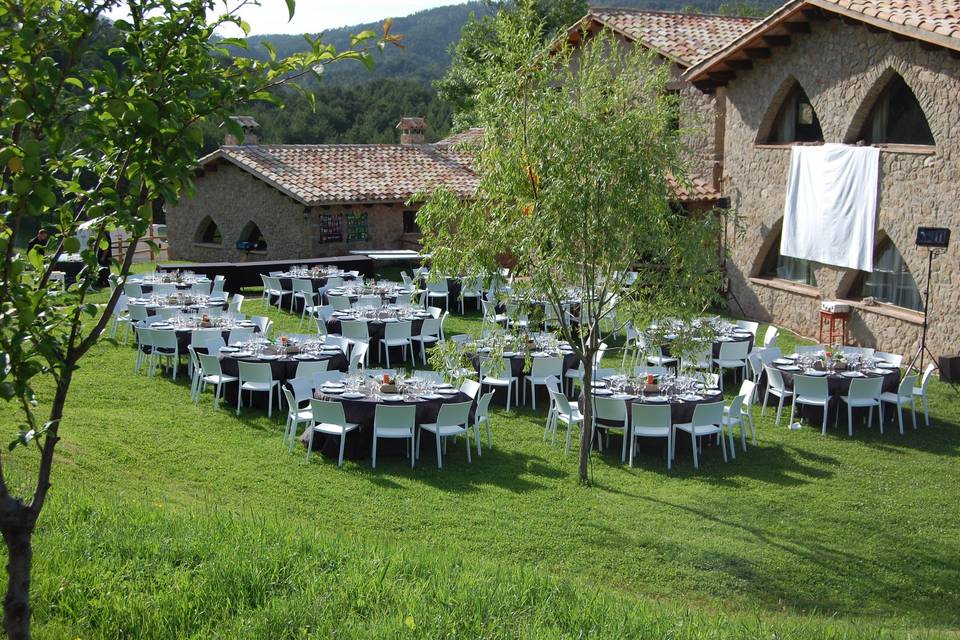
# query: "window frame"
[901,280]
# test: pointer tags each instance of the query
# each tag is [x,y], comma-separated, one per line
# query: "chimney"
[250,127]
[412,130]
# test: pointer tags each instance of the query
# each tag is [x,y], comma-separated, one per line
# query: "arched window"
[787,268]
[896,117]
[796,121]
[251,234]
[208,232]
[890,280]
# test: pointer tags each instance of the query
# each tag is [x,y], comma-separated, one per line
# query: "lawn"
[169,521]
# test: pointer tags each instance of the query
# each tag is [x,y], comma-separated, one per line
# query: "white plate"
[331,392]
[540,354]
[432,396]
[623,396]
[791,368]
[228,349]
[392,398]
[444,385]
[447,392]
[510,354]
[782,361]
[657,398]
[851,374]
[242,354]
[886,365]
[602,392]
[814,372]
[268,357]
[691,398]
[303,356]
[880,372]
[713,392]
[352,395]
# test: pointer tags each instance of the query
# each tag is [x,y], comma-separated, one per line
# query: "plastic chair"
[295,415]
[394,422]
[329,419]
[356,332]
[340,303]
[542,369]
[469,288]
[482,417]
[733,416]
[306,368]
[863,393]
[201,288]
[144,339]
[748,391]
[565,413]
[651,421]
[453,419]
[902,397]
[257,377]
[922,391]
[707,421]
[165,347]
[890,358]
[613,410]
[358,355]
[439,290]
[470,388]
[733,355]
[777,387]
[770,337]
[235,304]
[397,334]
[429,334]
[500,377]
[747,325]
[238,336]
[811,391]
[211,373]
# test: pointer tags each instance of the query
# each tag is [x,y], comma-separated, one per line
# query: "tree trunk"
[16,604]
[586,434]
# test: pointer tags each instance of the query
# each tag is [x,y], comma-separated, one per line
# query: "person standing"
[39,241]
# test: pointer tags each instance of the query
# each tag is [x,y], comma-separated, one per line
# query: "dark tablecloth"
[377,329]
[838,385]
[283,370]
[665,349]
[570,361]
[359,444]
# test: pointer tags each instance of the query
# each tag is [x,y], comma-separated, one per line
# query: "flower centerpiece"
[650,384]
[388,384]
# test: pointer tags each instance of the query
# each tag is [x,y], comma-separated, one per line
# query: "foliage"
[481,45]
[575,172]
[90,147]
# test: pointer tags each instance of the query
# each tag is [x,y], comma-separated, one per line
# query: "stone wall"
[843,68]
[232,198]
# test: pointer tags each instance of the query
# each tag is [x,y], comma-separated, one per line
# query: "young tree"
[577,169]
[90,139]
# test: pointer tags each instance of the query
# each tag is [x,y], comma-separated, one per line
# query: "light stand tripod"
[923,349]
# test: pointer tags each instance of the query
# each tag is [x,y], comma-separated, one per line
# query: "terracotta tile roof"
[324,174]
[933,21]
[412,123]
[685,38]
[470,136]
[698,190]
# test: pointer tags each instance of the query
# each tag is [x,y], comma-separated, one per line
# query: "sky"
[313,16]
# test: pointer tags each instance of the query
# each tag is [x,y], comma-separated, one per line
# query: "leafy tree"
[481,44]
[92,146]
[575,170]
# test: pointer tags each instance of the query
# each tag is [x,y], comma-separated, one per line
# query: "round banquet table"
[152,309]
[319,282]
[837,384]
[517,370]
[283,369]
[355,297]
[376,329]
[185,334]
[681,411]
[147,287]
[359,444]
[742,337]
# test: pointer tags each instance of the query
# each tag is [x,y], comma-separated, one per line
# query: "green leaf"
[71,244]
[74,81]
[270,49]
[291,8]
[18,109]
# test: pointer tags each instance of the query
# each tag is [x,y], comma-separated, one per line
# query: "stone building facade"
[843,64]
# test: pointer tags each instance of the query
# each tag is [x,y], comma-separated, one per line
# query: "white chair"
[439,290]
[748,391]
[144,339]
[574,376]
[469,288]
[256,377]
[498,376]
[770,337]
[165,347]
[482,417]
[733,355]
[306,368]
[340,303]
[443,324]
[394,422]
[218,283]
[165,289]
[470,388]
[707,421]
[863,393]
[397,334]
[295,415]
[612,410]
[746,325]
[902,397]
[651,421]
[355,331]
[461,338]
[490,315]
[435,312]
[329,419]
[370,300]
[358,355]
[777,387]
[565,413]
[808,349]
[811,391]
[132,290]
[429,334]
[517,318]
[656,359]
[201,288]
[277,291]
[239,336]
[321,377]
[121,316]
[211,373]
[890,358]
[303,291]
[542,369]
[235,304]
[453,419]
[733,416]
[333,340]
[264,324]
[921,391]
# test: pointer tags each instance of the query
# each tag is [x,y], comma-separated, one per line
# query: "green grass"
[167,521]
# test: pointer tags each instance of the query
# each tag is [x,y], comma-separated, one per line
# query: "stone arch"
[881,82]
[770,242]
[208,232]
[251,234]
[852,283]
[769,122]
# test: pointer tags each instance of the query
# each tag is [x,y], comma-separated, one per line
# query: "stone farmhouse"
[867,72]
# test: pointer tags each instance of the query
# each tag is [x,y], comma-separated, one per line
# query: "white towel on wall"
[831,207]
